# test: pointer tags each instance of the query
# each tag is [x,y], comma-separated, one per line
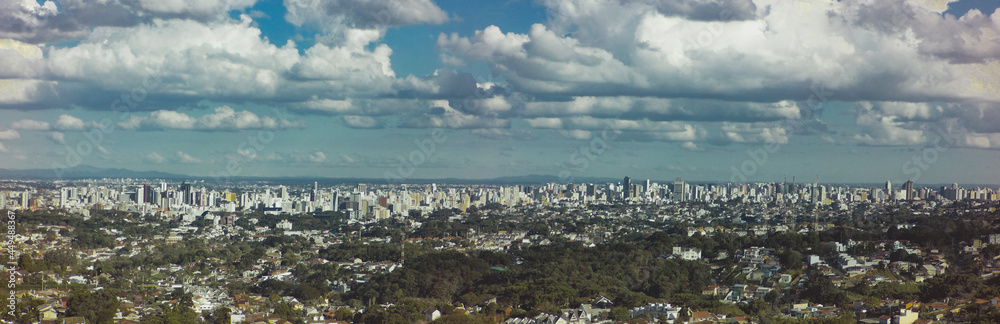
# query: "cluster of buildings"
[362,201]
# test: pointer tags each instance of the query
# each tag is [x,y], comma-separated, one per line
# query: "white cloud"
[501,133]
[664,109]
[363,13]
[753,133]
[360,121]
[30,124]
[775,54]
[58,138]
[154,157]
[186,158]
[70,123]
[223,118]
[691,146]
[317,157]
[6,135]
[576,134]
[50,22]
[884,130]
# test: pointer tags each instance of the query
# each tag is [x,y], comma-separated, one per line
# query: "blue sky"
[709,90]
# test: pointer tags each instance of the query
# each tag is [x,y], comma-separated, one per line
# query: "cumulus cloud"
[154,158]
[577,134]
[314,157]
[223,118]
[665,109]
[501,134]
[775,54]
[185,158]
[69,123]
[686,71]
[691,146]
[361,122]
[973,125]
[443,115]
[52,21]
[364,13]
[30,124]
[9,134]
[58,138]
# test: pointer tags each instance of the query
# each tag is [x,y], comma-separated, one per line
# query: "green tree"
[97,307]
[619,314]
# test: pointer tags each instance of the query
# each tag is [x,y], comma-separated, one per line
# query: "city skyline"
[712,91]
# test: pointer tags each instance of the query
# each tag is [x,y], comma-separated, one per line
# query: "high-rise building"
[148,194]
[627,188]
[909,190]
[186,193]
[680,192]
[140,194]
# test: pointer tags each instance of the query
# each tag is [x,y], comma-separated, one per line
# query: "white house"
[689,254]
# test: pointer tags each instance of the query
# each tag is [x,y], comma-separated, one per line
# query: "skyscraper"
[627,188]
[148,194]
[680,192]
[909,190]
[186,193]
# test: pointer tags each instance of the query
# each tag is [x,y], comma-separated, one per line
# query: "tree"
[26,262]
[97,307]
[221,315]
[343,314]
[61,258]
[619,314]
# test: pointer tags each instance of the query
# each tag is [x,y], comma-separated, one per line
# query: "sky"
[709,90]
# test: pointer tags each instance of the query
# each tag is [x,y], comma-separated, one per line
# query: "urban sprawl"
[158,251]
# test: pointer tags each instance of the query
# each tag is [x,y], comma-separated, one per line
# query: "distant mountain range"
[90,172]
[83,172]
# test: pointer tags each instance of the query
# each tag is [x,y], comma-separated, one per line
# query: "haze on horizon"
[853,91]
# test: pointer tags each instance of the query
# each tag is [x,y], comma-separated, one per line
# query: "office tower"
[626,188]
[909,190]
[140,195]
[314,192]
[362,188]
[186,193]
[148,193]
[63,196]
[679,193]
[283,193]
